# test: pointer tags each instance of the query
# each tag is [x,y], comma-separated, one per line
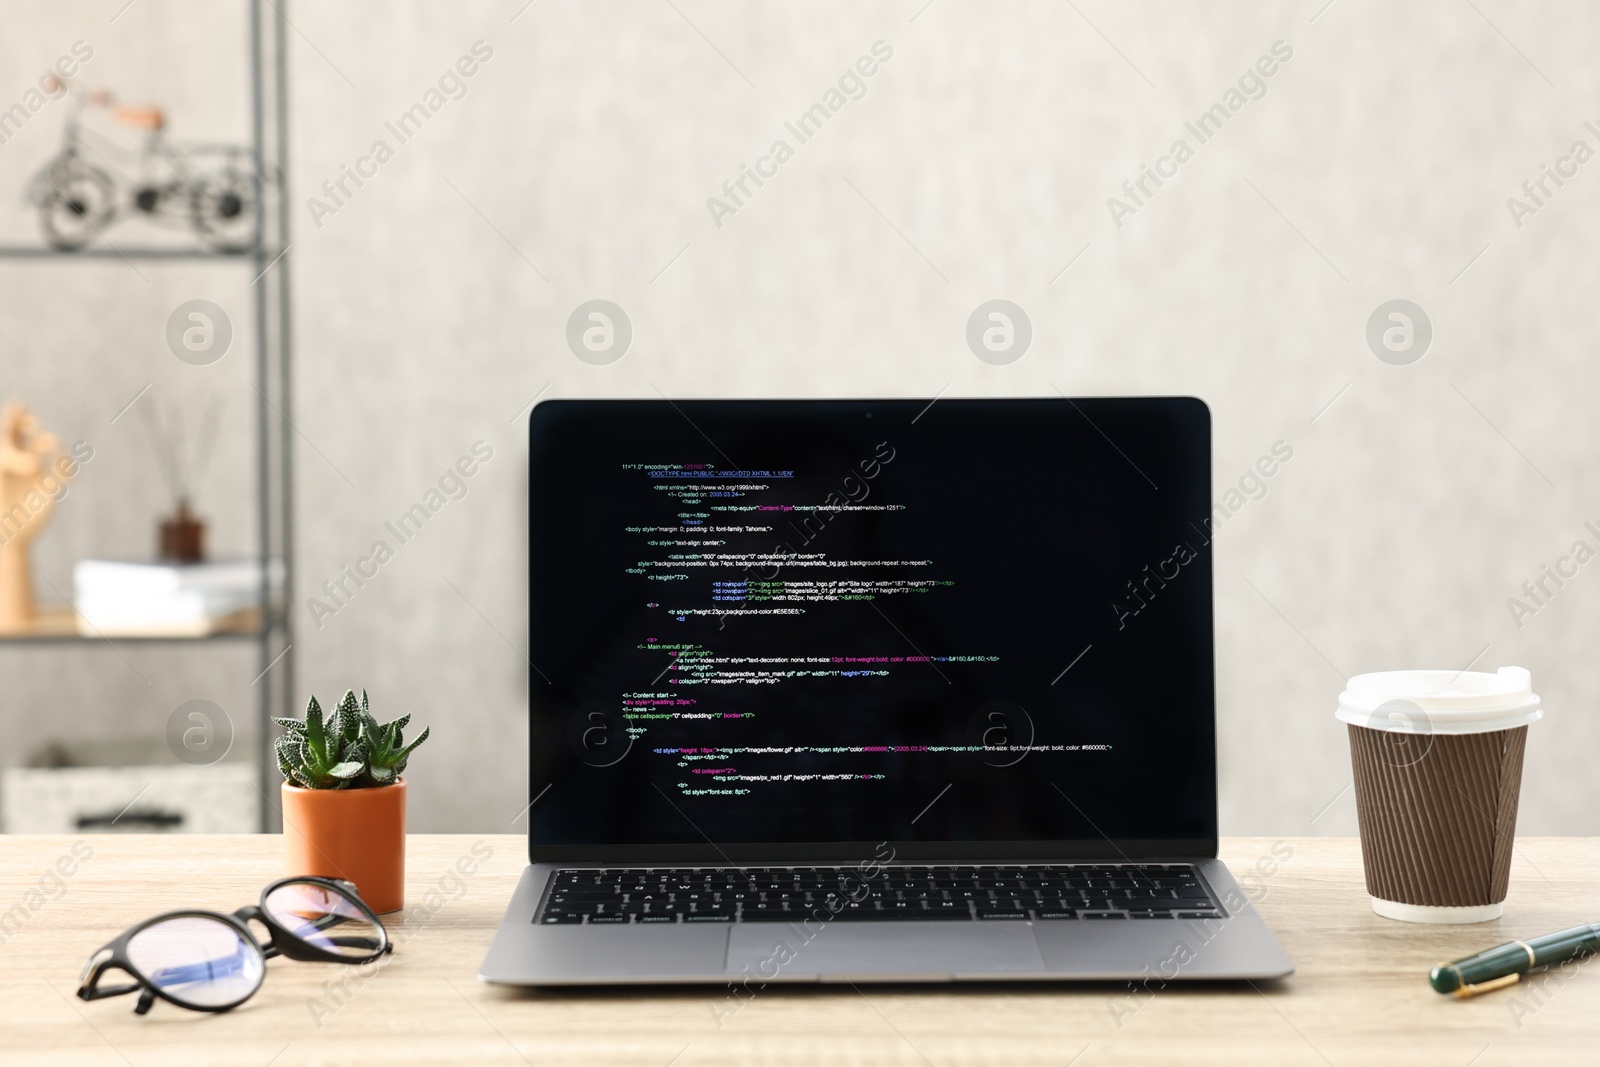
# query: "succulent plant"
[347,750]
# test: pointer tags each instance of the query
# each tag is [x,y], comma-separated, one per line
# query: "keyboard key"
[907,916]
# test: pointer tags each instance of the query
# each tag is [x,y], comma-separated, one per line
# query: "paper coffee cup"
[1437,757]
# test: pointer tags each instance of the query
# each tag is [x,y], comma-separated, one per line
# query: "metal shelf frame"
[270,291]
[246,255]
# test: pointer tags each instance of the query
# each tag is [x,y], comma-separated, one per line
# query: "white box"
[166,798]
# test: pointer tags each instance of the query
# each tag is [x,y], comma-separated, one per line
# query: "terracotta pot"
[357,834]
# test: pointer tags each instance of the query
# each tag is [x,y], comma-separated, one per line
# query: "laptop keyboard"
[785,894]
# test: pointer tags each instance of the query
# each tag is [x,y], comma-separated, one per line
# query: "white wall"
[431,309]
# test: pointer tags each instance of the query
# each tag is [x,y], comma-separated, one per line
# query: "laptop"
[870,691]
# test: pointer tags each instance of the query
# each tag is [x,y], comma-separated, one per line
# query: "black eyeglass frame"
[282,942]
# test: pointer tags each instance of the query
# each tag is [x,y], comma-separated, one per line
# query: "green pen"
[1504,965]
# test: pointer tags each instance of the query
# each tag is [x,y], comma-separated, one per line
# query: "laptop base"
[1148,951]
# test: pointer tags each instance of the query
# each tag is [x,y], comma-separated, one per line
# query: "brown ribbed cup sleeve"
[1438,813]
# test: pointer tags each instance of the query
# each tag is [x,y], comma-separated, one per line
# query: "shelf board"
[97,253]
[58,624]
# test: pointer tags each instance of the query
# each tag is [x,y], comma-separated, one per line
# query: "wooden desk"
[1359,997]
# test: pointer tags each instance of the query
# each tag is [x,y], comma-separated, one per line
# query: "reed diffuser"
[181,535]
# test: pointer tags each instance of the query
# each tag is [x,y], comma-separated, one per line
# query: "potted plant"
[344,801]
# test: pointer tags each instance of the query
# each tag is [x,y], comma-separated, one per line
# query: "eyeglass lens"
[325,918]
[198,960]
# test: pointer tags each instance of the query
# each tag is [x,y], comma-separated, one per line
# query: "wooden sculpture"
[33,476]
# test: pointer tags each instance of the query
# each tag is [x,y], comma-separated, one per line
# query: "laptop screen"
[969,627]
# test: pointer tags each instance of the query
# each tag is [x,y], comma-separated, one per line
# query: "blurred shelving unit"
[266,259]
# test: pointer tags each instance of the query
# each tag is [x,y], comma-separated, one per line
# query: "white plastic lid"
[1441,702]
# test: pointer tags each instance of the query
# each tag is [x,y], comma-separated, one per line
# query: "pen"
[1505,964]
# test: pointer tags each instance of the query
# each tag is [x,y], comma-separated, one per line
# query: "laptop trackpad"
[913,949]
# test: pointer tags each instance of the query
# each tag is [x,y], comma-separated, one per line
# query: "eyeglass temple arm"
[359,942]
[88,993]
[195,972]
[89,987]
[92,990]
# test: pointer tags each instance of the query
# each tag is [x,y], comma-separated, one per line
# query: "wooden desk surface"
[1359,997]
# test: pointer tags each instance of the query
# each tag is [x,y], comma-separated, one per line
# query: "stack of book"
[131,599]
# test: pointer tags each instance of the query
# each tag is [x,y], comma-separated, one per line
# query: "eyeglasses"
[208,961]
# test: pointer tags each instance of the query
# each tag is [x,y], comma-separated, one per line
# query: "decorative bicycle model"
[213,190]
